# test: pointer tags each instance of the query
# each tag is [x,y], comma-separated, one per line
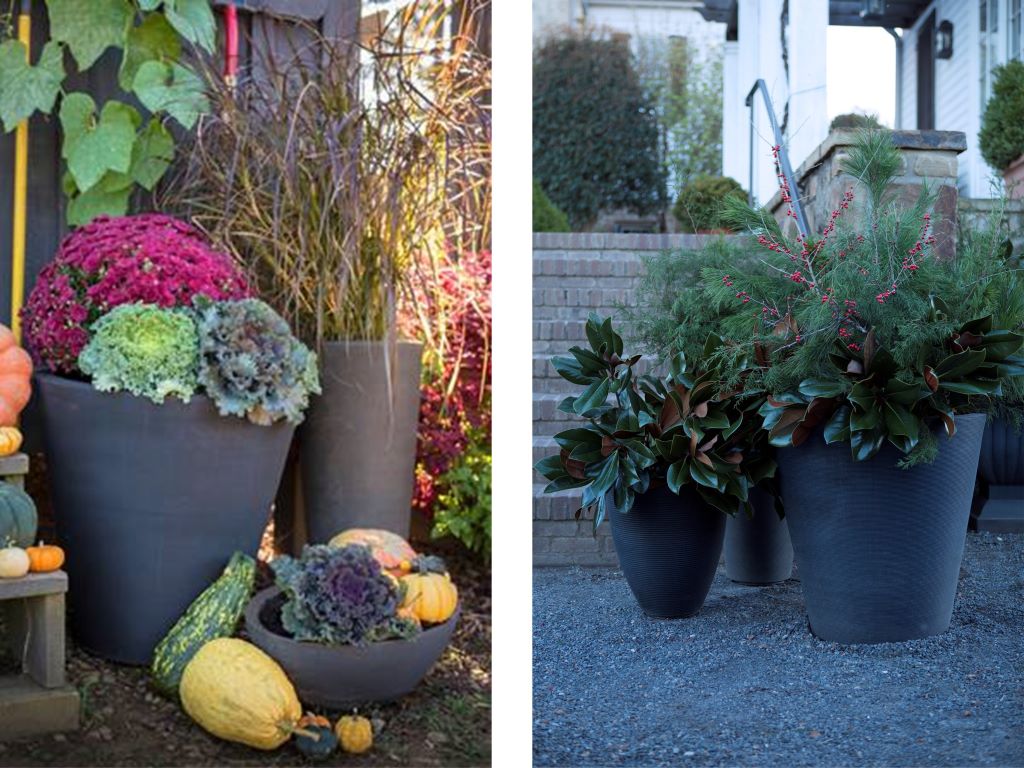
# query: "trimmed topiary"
[699,207]
[1001,138]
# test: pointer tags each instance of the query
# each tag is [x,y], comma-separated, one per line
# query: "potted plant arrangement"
[880,362]
[1001,138]
[663,460]
[169,399]
[359,620]
[672,313]
[341,195]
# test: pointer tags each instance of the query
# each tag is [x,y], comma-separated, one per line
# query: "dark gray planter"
[150,501]
[668,548]
[1001,466]
[758,549]
[878,547]
[358,444]
[344,676]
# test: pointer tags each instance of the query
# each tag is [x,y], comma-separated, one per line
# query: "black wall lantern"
[872,8]
[944,40]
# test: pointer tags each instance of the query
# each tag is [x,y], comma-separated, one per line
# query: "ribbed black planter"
[878,547]
[758,549]
[150,501]
[344,676]
[668,548]
[357,447]
[1001,466]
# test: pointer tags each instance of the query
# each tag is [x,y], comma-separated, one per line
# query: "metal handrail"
[787,169]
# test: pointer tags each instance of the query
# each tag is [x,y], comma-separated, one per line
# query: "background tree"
[686,90]
[595,130]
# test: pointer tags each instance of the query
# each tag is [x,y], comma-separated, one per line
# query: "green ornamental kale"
[339,596]
[250,364]
[143,349]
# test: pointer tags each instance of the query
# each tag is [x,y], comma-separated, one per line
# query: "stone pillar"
[929,157]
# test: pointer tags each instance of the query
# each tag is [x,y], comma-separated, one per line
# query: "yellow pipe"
[20,194]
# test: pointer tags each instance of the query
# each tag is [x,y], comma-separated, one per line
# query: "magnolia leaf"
[607,474]
[152,40]
[152,154]
[676,475]
[570,370]
[89,27]
[93,147]
[550,467]
[24,88]
[865,444]
[194,21]
[931,379]
[97,201]
[959,364]
[837,428]
[149,5]
[704,476]
[172,88]
[593,396]
[1000,344]
[973,387]
[820,388]
[900,421]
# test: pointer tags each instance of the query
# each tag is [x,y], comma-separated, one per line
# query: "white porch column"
[734,115]
[808,121]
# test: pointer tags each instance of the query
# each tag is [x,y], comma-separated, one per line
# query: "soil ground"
[446,721]
[745,683]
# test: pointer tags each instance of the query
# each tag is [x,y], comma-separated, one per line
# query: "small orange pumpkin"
[15,378]
[10,440]
[311,719]
[44,558]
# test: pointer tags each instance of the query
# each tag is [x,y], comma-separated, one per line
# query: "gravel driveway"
[745,683]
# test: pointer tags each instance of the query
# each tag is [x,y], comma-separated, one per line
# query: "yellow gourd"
[238,693]
[355,734]
[14,563]
[428,591]
[10,440]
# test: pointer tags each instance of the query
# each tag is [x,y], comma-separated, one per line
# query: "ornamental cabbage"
[339,596]
[250,364]
[143,349]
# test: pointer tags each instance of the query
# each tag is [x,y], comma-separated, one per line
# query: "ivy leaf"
[151,155]
[171,88]
[152,40]
[89,27]
[85,206]
[194,21]
[24,88]
[93,147]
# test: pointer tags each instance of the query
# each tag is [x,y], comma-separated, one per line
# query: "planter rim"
[930,424]
[256,603]
[363,343]
[56,379]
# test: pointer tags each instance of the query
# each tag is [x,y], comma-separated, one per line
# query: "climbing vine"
[110,150]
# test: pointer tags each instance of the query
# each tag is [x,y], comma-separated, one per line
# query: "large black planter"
[1001,466]
[878,547]
[150,501]
[358,444]
[344,676]
[758,549]
[668,548]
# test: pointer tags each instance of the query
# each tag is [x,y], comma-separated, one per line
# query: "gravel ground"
[745,683]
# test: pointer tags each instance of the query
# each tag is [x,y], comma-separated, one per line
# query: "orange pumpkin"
[44,558]
[309,719]
[15,378]
[389,549]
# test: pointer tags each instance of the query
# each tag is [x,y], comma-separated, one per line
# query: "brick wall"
[574,275]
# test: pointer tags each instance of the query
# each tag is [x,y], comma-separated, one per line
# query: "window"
[988,28]
[1014,29]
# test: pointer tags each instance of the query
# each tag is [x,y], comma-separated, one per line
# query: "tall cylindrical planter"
[150,501]
[668,548]
[1001,466]
[879,547]
[358,444]
[758,549]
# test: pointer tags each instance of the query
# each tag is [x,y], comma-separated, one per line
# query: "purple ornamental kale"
[336,595]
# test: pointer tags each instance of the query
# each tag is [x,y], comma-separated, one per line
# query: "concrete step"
[574,303]
[547,419]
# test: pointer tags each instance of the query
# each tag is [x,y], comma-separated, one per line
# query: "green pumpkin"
[213,614]
[320,748]
[18,520]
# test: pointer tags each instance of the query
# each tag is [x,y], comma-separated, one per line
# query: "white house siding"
[957,86]
[551,16]
[653,19]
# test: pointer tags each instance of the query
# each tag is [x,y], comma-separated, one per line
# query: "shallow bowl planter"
[150,501]
[1001,466]
[344,676]
[668,548]
[758,549]
[878,547]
